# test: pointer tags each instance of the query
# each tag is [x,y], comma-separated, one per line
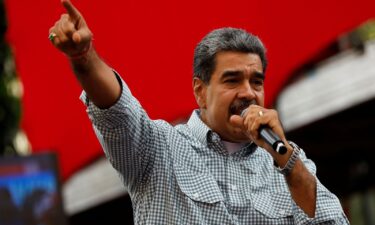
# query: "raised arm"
[72,36]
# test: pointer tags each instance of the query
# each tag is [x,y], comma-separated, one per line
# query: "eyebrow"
[236,73]
[231,73]
[259,75]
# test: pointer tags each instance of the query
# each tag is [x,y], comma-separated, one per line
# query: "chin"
[239,137]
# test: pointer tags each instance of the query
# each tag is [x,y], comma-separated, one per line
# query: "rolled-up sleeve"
[126,134]
[328,207]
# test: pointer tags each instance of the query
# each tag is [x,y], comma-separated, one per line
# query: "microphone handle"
[272,139]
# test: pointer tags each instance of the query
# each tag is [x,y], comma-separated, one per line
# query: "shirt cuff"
[110,117]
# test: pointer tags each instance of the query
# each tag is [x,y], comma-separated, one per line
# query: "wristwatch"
[291,161]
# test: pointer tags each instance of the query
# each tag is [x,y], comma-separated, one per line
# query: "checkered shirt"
[184,175]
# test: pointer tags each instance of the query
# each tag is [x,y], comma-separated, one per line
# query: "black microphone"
[270,137]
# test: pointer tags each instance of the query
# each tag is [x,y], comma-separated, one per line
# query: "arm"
[305,189]
[123,128]
[328,208]
[72,36]
[302,184]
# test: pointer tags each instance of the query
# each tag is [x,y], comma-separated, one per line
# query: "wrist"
[282,159]
[291,160]
[85,64]
[83,54]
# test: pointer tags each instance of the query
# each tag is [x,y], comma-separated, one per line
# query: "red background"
[151,44]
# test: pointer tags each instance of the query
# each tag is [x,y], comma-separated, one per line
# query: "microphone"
[270,137]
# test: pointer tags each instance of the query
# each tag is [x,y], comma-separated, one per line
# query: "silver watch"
[291,161]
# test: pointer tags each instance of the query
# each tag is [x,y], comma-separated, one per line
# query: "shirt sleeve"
[126,134]
[328,207]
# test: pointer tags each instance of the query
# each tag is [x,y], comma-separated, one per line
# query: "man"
[216,169]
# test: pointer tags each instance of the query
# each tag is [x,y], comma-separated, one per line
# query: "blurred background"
[321,79]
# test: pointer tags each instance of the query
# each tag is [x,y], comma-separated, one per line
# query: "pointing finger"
[72,11]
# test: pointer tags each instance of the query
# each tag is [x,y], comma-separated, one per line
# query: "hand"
[255,117]
[71,34]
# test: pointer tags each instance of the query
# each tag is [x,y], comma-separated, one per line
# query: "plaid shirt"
[184,174]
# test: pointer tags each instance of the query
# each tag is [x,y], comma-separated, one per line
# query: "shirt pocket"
[197,185]
[273,205]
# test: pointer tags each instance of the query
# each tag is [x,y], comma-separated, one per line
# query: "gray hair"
[224,39]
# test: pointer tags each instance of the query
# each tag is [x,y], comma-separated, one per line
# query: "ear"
[200,88]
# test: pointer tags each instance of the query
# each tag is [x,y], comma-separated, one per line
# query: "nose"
[246,91]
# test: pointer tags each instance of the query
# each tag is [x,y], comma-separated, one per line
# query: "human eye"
[231,77]
[231,80]
[257,83]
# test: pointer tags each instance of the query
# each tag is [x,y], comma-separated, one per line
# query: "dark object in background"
[30,191]
[10,103]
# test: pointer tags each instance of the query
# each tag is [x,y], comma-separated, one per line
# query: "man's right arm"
[72,36]
[123,128]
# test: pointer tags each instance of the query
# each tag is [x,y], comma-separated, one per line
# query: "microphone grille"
[243,112]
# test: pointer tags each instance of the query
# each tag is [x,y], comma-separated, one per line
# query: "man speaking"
[216,168]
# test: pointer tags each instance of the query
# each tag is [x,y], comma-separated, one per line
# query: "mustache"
[237,106]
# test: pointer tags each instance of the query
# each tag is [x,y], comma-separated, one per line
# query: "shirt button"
[248,196]
[215,137]
[195,195]
[282,212]
[233,187]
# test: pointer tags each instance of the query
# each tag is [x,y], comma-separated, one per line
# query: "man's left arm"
[314,202]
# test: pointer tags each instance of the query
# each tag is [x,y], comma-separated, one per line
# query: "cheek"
[224,102]
[226,99]
[260,98]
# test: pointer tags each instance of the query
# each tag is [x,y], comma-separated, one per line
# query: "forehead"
[239,61]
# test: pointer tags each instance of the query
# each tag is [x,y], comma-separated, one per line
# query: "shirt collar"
[201,131]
